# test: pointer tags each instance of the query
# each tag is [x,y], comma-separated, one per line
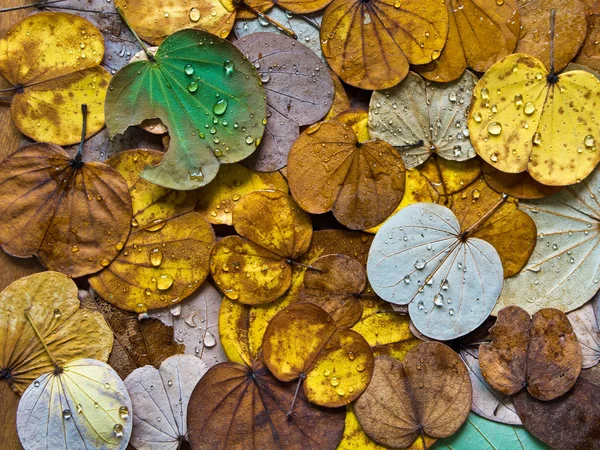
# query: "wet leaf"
[256,267]
[52,60]
[242,327]
[541,353]
[255,404]
[341,102]
[588,54]
[85,405]
[50,299]
[160,400]
[370,45]
[334,365]
[334,284]
[200,96]
[217,200]
[67,213]
[524,118]
[487,401]
[420,118]
[138,341]
[428,394]
[480,33]
[154,22]
[166,255]
[518,185]
[331,169]
[585,325]
[566,423]
[299,92]
[502,226]
[306,26]
[421,258]
[483,434]
[562,272]
[195,323]
[569,30]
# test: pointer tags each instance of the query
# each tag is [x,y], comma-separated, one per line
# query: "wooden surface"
[11,268]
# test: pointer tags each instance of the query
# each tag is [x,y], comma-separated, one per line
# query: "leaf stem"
[6,99]
[79,154]
[272,21]
[30,5]
[552,77]
[306,266]
[419,143]
[144,47]
[302,377]
[483,218]
[36,331]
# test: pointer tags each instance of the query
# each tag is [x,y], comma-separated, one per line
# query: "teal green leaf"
[208,96]
[482,434]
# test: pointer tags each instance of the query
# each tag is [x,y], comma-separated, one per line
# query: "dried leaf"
[255,268]
[429,392]
[585,325]
[588,54]
[420,118]
[52,60]
[195,323]
[542,353]
[518,185]
[85,405]
[569,30]
[334,365]
[50,300]
[203,84]
[421,258]
[562,272]
[480,33]
[524,118]
[217,200]
[154,22]
[341,102]
[68,213]
[160,400]
[370,45]
[299,92]
[254,403]
[138,342]
[330,168]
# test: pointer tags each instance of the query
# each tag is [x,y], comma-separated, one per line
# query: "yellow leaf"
[524,118]
[52,60]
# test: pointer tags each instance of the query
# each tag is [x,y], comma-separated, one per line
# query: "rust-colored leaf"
[518,185]
[542,354]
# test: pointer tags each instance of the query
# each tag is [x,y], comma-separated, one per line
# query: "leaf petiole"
[36,331]
[552,77]
[272,21]
[288,414]
[137,38]
[483,218]
[76,162]
[306,266]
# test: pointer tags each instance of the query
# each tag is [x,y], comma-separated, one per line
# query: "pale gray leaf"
[585,324]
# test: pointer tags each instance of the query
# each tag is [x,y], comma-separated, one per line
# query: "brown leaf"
[589,55]
[334,283]
[331,169]
[518,185]
[137,342]
[69,215]
[430,391]
[543,355]
[234,406]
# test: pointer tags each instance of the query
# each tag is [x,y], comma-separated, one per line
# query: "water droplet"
[118,430]
[340,392]
[134,223]
[156,257]
[485,93]
[537,138]
[327,372]
[36,383]
[494,157]
[351,356]
[169,382]
[166,15]
[209,339]
[249,140]
[451,311]
[104,262]
[66,414]
[420,264]
[407,279]
[265,77]
[476,194]
[57,313]
[194,14]
[360,368]
[197,176]
[435,55]
[164,282]
[529,108]
[188,69]
[75,249]
[452,96]
[438,299]
[477,117]
[499,2]
[228,66]
[220,107]
[334,381]
[495,128]
[119,246]
[124,412]
[589,141]
[193,86]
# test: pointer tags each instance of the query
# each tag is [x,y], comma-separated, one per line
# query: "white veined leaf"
[563,271]
[160,401]
[449,280]
[84,406]
[585,325]
[417,110]
[195,323]
[306,27]
[488,402]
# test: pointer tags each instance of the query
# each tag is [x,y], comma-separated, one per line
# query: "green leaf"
[484,434]
[207,95]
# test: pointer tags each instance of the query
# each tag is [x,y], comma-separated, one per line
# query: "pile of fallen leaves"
[312,224]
